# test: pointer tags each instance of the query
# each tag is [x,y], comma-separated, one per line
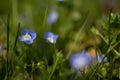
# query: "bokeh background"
[81,25]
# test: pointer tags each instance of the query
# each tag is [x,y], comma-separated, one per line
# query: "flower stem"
[44,19]
[54,66]
[8,30]
[17,36]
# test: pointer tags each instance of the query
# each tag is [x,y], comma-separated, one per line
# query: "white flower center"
[26,37]
[50,39]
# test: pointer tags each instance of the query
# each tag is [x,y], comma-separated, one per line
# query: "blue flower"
[50,37]
[80,61]
[27,36]
[100,57]
[0,47]
[52,17]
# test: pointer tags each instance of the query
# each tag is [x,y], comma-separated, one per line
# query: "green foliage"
[79,26]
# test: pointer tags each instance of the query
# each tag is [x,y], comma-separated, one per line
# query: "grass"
[42,60]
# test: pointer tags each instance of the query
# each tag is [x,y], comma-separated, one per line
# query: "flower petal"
[21,38]
[80,60]
[52,17]
[99,58]
[24,31]
[48,34]
[0,47]
[29,41]
[32,34]
[55,38]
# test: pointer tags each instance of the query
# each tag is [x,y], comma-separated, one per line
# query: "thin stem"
[112,48]
[44,19]
[80,33]
[8,31]
[54,66]
[109,27]
[32,71]
[54,48]
[17,36]
[102,37]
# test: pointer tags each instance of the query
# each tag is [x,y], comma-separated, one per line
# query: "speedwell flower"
[27,36]
[0,48]
[80,61]
[52,17]
[100,57]
[50,37]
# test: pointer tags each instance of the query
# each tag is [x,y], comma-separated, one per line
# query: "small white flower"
[50,37]
[27,37]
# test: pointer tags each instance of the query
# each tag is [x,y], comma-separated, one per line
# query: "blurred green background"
[77,25]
